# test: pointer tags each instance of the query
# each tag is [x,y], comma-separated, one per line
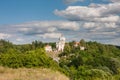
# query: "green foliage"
[34,58]
[82,42]
[37,44]
[4,45]
[97,62]
[76,62]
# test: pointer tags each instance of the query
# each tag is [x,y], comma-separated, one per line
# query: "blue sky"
[18,11]
[22,21]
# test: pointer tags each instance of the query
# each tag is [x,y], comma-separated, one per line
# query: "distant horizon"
[55,42]
[92,20]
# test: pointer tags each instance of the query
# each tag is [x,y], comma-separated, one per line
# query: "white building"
[60,44]
[76,44]
[48,48]
[82,48]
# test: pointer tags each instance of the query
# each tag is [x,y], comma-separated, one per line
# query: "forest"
[97,62]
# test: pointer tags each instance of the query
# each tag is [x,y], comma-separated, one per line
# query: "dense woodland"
[97,62]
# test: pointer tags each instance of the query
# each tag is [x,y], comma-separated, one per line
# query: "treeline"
[97,62]
[27,55]
[5,46]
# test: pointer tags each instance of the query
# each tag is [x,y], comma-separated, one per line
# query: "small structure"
[76,44]
[60,44]
[48,48]
[82,48]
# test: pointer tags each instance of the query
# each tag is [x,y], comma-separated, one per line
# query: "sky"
[23,21]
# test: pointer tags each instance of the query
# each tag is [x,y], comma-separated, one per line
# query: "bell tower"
[61,43]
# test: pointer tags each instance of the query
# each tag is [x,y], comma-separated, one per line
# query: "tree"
[82,42]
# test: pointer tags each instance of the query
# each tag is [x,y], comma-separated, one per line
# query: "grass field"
[30,74]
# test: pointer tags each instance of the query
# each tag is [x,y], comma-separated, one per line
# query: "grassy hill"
[30,74]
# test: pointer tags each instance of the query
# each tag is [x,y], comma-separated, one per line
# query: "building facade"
[48,48]
[77,44]
[60,44]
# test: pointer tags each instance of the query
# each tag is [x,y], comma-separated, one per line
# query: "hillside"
[30,74]
[97,62]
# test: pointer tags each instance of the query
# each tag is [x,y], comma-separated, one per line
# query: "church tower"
[61,43]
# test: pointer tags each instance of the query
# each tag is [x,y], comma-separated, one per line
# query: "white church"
[59,45]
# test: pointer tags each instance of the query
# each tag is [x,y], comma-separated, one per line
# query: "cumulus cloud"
[19,39]
[113,41]
[93,12]
[26,32]
[50,35]
[46,27]
[4,35]
[93,18]
[39,30]
[89,25]
[99,22]
[76,13]
[71,1]
[99,26]
[115,0]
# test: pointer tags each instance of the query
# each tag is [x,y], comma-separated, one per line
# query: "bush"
[35,58]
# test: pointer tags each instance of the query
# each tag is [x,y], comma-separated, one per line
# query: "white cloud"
[94,12]
[111,9]
[114,41]
[115,0]
[86,30]
[42,27]
[110,18]
[78,13]
[24,29]
[19,39]
[99,26]
[4,35]
[50,35]
[71,1]
[89,25]
[100,22]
